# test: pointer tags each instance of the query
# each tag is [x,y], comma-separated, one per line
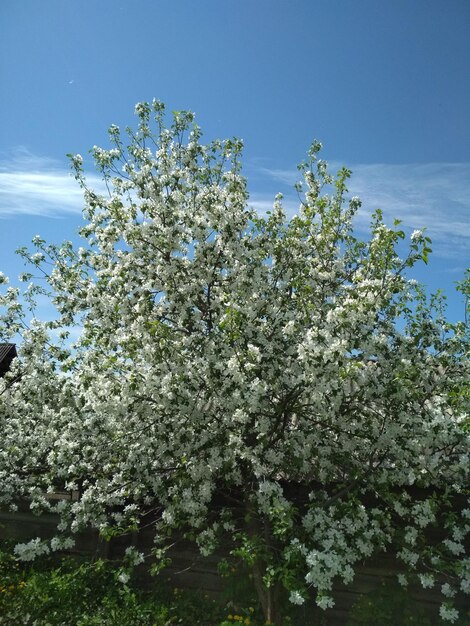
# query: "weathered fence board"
[190,570]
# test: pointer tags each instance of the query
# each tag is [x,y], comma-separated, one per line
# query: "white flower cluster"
[448,613]
[296,597]
[416,235]
[31,550]
[132,557]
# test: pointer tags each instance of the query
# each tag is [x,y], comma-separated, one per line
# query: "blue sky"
[384,85]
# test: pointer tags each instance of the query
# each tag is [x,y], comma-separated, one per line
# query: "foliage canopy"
[232,362]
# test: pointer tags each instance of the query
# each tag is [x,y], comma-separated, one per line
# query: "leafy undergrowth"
[93,593]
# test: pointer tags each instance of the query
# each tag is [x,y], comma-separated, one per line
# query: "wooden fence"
[190,570]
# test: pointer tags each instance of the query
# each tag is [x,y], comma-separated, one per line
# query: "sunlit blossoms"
[277,366]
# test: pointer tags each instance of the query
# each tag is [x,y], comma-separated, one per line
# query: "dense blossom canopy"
[277,365]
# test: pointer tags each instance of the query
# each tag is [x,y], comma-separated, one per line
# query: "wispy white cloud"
[33,185]
[432,195]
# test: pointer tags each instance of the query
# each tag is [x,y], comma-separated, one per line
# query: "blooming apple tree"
[269,381]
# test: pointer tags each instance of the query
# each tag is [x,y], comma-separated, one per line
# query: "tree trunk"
[268,596]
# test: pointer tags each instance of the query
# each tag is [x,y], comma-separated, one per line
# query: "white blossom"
[296,597]
[427,580]
[124,578]
[448,614]
[416,235]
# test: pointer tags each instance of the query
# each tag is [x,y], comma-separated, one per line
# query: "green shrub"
[74,592]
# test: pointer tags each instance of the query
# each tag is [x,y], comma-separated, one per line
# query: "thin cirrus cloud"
[432,195]
[34,185]
[435,196]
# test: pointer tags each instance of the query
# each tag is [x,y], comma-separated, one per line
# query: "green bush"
[73,592]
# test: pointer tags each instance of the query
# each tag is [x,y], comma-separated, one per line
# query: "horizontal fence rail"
[190,570]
